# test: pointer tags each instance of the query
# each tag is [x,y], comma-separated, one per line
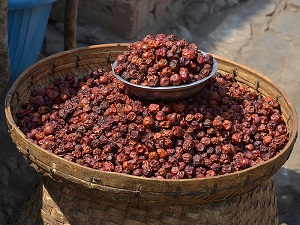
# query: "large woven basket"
[70,193]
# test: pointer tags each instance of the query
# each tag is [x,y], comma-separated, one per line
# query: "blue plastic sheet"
[27,22]
[24,4]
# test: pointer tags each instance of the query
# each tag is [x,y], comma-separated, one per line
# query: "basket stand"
[58,203]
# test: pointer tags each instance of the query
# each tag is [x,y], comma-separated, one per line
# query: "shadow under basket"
[73,194]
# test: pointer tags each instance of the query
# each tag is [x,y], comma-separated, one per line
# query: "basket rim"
[139,184]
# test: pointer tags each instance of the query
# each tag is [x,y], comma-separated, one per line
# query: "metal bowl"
[169,93]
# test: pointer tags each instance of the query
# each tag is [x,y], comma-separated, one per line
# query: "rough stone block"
[123,17]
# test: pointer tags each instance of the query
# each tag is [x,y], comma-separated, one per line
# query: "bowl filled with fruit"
[164,68]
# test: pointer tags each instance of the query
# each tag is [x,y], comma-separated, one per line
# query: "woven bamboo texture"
[57,204]
[138,191]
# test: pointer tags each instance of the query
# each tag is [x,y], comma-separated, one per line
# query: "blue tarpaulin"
[24,4]
[27,22]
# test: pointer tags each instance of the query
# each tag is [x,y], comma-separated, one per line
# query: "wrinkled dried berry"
[97,124]
[163,61]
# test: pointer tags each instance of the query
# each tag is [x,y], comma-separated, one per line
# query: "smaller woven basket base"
[57,204]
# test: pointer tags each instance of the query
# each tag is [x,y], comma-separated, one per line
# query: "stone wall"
[122,17]
[102,21]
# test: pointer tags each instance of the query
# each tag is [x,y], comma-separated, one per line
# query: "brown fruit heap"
[163,61]
[95,123]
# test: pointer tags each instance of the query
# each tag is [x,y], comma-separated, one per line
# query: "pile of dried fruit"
[96,123]
[163,61]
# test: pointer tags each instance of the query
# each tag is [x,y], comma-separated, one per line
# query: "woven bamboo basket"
[73,194]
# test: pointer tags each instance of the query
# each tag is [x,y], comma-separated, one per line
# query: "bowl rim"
[169,88]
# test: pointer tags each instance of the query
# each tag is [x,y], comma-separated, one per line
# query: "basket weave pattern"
[73,194]
[63,204]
